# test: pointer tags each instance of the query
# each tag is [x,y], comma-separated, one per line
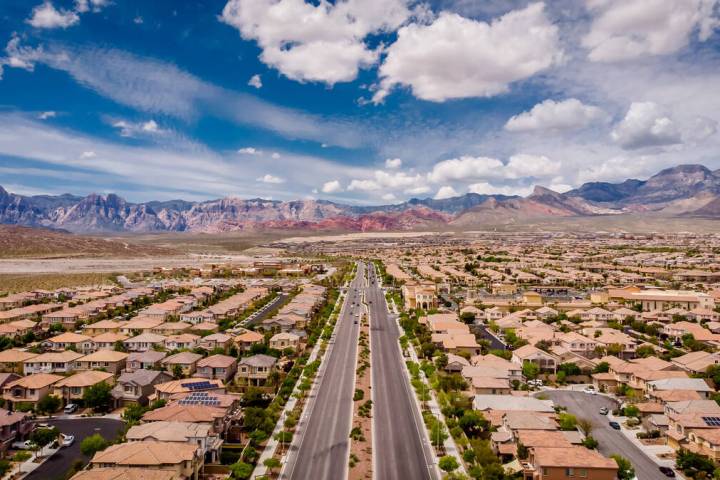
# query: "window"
[583,472]
[569,472]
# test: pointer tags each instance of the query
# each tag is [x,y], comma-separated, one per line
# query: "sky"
[353,101]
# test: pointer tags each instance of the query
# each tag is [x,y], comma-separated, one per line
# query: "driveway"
[57,465]
[584,405]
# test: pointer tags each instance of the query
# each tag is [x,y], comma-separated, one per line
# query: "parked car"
[604,411]
[66,440]
[71,408]
[26,445]
[667,471]
[590,389]
[614,425]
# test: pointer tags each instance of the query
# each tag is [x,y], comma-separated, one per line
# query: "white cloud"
[417,190]
[138,20]
[389,197]
[393,163]
[88,154]
[523,165]
[275,156]
[363,185]
[567,114]
[456,57]
[255,81]
[485,188]
[249,151]
[446,191]
[384,180]
[46,115]
[321,42]
[333,186]
[82,6]
[465,169]
[132,129]
[646,125]
[46,16]
[267,178]
[627,29]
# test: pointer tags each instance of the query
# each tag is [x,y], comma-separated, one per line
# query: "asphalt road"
[60,463]
[400,448]
[324,437]
[584,405]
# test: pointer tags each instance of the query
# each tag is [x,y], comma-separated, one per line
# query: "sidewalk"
[29,465]
[449,444]
[271,446]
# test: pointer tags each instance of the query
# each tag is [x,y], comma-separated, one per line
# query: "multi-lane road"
[322,446]
[400,448]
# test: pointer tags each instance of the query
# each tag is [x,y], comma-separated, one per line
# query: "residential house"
[107,341]
[183,459]
[51,362]
[200,435]
[216,341]
[106,360]
[72,389]
[14,426]
[145,342]
[187,361]
[28,390]
[149,360]
[12,360]
[136,387]
[217,366]
[283,340]
[256,369]
[70,341]
[542,359]
[561,463]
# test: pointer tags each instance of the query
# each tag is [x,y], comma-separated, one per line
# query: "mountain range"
[688,190]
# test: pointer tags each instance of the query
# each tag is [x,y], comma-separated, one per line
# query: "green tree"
[625,468]
[92,444]
[530,370]
[272,463]
[241,470]
[177,371]
[98,397]
[133,413]
[448,463]
[567,421]
[48,404]
[44,436]
[602,367]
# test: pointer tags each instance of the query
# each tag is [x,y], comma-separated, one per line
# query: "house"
[455,363]
[281,341]
[184,340]
[149,360]
[698,385]
[187,385]
[70,341]
[200,435]
[183,459]
[556,463]
[107,341]
[528,353]
[51,362]
[216,341]
[136,387]
[187,361]
[14,426]
[122,473]
[28,390]
[256,369]
[12,360]
[103,326]
[217,366]
[696,362]
[106,360]
[73,388]
[247,339]
[145,342]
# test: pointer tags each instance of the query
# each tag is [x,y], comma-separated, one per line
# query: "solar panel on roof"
[712,421]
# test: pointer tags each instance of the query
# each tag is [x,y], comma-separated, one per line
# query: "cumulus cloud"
[333,186]
[255,81]
[570,114]
[389,197]
[388,180]
[393,163]
[88,154]
[485,188]
[465,168]
[47,16]
[249,151]
[456,57]
[321,41]
[363,185]
[627,29]
[82,6]
[267,178]
[524,165]
[46,115]
[275,156]
[446,191]
[646,124]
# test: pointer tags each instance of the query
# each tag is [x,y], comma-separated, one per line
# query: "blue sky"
[361,101]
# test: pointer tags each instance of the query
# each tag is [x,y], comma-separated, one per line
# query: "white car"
[66,440]
[26,445]
[590,390]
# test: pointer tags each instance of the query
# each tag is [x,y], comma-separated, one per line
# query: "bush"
[92,444]
[448,463]
[359,395]
[241,470]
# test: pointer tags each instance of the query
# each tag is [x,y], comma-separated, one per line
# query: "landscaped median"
[360,461]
